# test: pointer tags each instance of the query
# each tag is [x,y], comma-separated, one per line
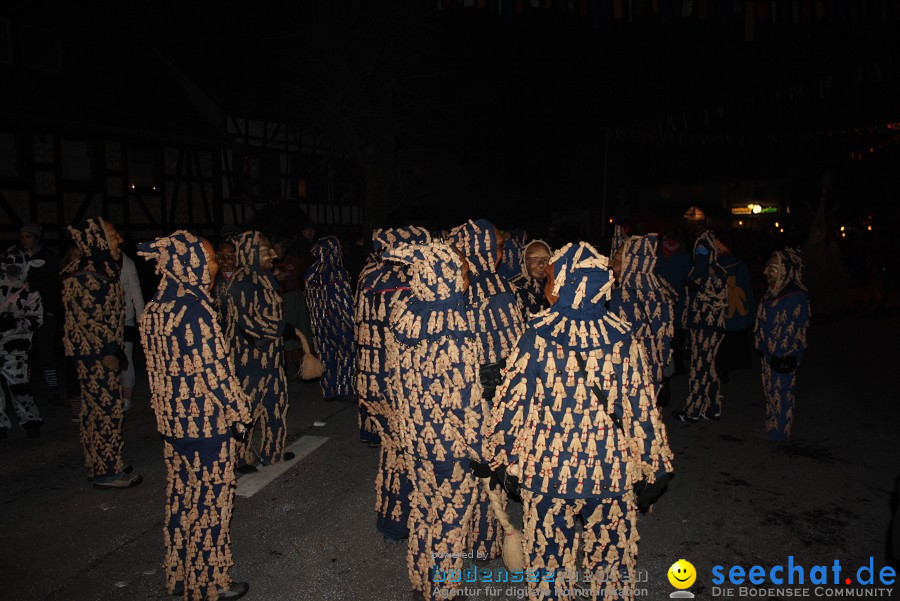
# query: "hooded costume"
[330,302]
[21,314]
[575,414]
[513,247]
[641,300]
[780,335]
[496,315]
[618,239]
[94,328]
[529,290]
[705,309]
[381,286]
[197,400]
[255,329]
[433,358]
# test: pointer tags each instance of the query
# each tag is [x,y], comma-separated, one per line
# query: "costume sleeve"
[794,316]
[649,438]
[206,345]
[254,320]
[665,332]
[512,404]
[32,315]
[87,299]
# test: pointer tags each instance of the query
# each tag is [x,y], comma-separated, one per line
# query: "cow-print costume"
[21,313]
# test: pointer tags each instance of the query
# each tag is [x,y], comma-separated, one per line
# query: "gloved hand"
[7,322]
[481,470]
[783,365]
[241,432]
[123,360]
[508,483]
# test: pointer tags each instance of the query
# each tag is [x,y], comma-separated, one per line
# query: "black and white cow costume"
[21,313]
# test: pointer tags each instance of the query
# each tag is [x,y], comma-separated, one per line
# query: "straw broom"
[311,367]
[513,551]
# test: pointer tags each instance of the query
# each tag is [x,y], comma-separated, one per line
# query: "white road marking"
[250,484]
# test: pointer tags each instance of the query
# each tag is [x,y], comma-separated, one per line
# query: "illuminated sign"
[754,209]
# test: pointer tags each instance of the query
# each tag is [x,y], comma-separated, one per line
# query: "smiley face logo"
[682,574]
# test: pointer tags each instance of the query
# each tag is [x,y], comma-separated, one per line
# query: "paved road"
[309,534]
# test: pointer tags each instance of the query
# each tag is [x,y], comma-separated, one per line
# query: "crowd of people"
[488,368]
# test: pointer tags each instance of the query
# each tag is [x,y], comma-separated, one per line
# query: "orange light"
[870,228]
[740,223]
[843,235]
[843,228]
[611,220]
[777,224]
[781,230]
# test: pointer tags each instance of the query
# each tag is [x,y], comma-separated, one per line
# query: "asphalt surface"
[310,534]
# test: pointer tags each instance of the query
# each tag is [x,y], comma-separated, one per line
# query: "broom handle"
[304,343]
[497,506]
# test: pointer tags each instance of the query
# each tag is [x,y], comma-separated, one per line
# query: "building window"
[76,160]
[41,49]
[141,168]
[9,159]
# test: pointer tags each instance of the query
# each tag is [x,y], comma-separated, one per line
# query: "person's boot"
[235,591]
[122,480]
[55,399]
[33,428]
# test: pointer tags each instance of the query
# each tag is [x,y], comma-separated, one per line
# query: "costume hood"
[435,270]
[90,239]
[793,271]
[477,240]
[639,263]
[181,261]
[392,237]
[581,277]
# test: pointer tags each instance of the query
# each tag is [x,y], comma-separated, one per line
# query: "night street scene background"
[772,123]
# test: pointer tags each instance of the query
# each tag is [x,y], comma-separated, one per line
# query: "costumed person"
[330,302]
[21,315]
[494,312]
[255,330]
[780,335]
[433,355]
[618,239]
[736,350]
[513,246]
[673,265]
[44,280]
[289,275]
[639,299]
[200,409]
[381,286]
[226,257]
[94,337]
[705,308]
[134,306]
[529,284]
[575,429]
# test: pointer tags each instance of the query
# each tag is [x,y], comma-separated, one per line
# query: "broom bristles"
[311,367]
[513,551]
